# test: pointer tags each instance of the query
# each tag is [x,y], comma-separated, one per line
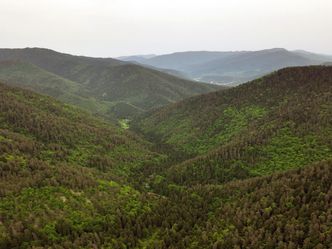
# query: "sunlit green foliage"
[262,178]
[279,122]
[124,123]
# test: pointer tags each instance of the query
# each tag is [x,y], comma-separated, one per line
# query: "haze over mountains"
[191,165]
[106,86]
[224,148]
[231,67]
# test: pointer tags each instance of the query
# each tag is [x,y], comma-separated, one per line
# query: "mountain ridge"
[106,82]
[229,67]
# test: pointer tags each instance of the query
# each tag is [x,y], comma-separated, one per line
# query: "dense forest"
[245,167]
[279,122]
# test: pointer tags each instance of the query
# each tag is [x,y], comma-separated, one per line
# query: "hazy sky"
[122,27]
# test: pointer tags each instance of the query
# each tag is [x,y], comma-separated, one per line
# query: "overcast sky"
[123,27]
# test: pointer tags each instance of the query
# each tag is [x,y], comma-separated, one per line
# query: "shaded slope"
[69,134]
[65,65]
[34,78]
[111,81]
[278,122]
[29,76]
[146,87]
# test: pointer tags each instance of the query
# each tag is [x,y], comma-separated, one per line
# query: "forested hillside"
[30,76]
[260,177]
[62,173]
[289,210]
[275,123]
[59,132]
[105,86]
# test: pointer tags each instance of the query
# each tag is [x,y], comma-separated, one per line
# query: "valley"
[232,168]
[165,124]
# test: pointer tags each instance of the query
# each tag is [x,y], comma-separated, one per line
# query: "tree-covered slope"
[62,133]
[32,77]
[116,88]
[288,210]
[63,174]
[70,180]
[62,64]
[275,123]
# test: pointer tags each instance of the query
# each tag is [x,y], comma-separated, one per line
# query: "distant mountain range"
[136,58]
[230,68]
[102,85]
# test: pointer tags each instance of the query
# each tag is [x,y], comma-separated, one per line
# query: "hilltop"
[115,88]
